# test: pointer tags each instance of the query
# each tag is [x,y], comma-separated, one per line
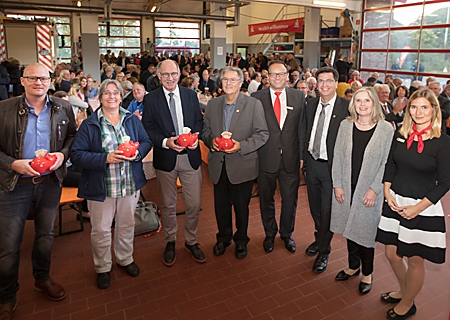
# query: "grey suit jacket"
[248,126]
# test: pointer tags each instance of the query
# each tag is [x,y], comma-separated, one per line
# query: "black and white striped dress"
[415,176]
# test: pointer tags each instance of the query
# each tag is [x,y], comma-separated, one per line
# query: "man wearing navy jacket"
[166,111]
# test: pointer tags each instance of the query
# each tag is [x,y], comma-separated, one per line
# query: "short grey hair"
[126,85]
[379,86]
[109,68]
[105,83]
[232,69]
[311,79]
[158,67]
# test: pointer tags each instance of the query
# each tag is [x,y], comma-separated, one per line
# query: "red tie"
[277,107]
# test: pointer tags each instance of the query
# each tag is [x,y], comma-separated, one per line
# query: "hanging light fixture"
[78,3]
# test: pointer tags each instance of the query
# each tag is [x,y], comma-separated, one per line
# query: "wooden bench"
[68,196]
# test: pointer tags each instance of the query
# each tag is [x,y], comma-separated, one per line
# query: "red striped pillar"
[44,46]
[2,44]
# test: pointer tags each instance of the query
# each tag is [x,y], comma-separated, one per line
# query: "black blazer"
[340,112]
[158,123]
[391,117]
[289,139]
[211,86]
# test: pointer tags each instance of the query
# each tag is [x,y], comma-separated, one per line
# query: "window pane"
[409,16]
[377,3]
[116,31]
[373,60]
[375,40]
[101,30]
[435,38]
[63,29]
[114,42]
[102,42]
[437,13]
[193,43]
[132,31]
[162,24]
[402,2]
[377,19]
[401,39]
[116,22]
[136,23]
[65,53]
[435,62]
[132,42]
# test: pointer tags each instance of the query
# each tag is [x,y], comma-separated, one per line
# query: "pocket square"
[289,108]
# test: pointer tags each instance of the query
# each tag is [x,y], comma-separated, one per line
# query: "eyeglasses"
[113,93]
[277,75]
[327,81]
[166,75]
[230,80]
[34,79]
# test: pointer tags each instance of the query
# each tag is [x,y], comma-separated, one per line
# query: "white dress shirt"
[179,110]
[323,142]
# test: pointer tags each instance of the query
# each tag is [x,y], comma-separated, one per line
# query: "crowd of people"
[373,154]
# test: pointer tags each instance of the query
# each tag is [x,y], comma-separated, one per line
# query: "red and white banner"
[291,25]
[2,44]
[44,46]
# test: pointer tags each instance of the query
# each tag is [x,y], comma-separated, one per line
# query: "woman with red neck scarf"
[417,176]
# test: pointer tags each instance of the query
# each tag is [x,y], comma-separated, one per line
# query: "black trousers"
[320,190]
[359,255]
[226,197]
[288,184]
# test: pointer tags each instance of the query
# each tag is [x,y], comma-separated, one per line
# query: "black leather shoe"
[196,253]
[289,244]
[132,269]
[391,314]
[312,250]
[103,280]
[364,288]
[386,298]
[169,254]
[219,248]
[320,265]
[342,276]
[241,251]
[268,244]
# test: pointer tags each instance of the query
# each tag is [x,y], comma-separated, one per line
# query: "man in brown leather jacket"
[28,123]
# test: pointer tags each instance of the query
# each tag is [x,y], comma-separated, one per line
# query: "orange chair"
[68,196]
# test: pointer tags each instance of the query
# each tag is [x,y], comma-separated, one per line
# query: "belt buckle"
[33,181]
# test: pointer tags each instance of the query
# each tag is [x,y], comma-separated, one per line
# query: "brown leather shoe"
[7,309]
[53,290]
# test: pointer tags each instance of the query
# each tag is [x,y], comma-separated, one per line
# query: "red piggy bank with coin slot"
[224,143]
[43,161]
[187,139]
[128,147]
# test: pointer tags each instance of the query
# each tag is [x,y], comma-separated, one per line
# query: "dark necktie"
[277,107]
[319,131]
[173,113]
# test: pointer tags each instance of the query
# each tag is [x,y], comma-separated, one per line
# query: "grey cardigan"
[356,221]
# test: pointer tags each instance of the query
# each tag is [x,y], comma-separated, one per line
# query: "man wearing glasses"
[322,119]
[28,123]
[166,111]
[232,171]
[280,156]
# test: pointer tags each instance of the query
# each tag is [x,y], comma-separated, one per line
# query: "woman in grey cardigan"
[360,154]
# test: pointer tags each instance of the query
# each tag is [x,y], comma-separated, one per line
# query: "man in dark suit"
[166,111]
[240,62]
[123,61]
[206,82]
[233,171]
[392,115]
[323,117]
[279,158]
[179,58]
[343,67]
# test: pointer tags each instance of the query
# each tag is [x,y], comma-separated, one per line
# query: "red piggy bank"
[43,161]
[224,142]
[187,139]
[128,147]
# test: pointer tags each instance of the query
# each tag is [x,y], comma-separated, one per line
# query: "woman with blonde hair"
[360,154]
[75,100]
[355,85]
[417,176]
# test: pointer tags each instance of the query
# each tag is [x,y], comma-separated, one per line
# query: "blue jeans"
[43,200]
